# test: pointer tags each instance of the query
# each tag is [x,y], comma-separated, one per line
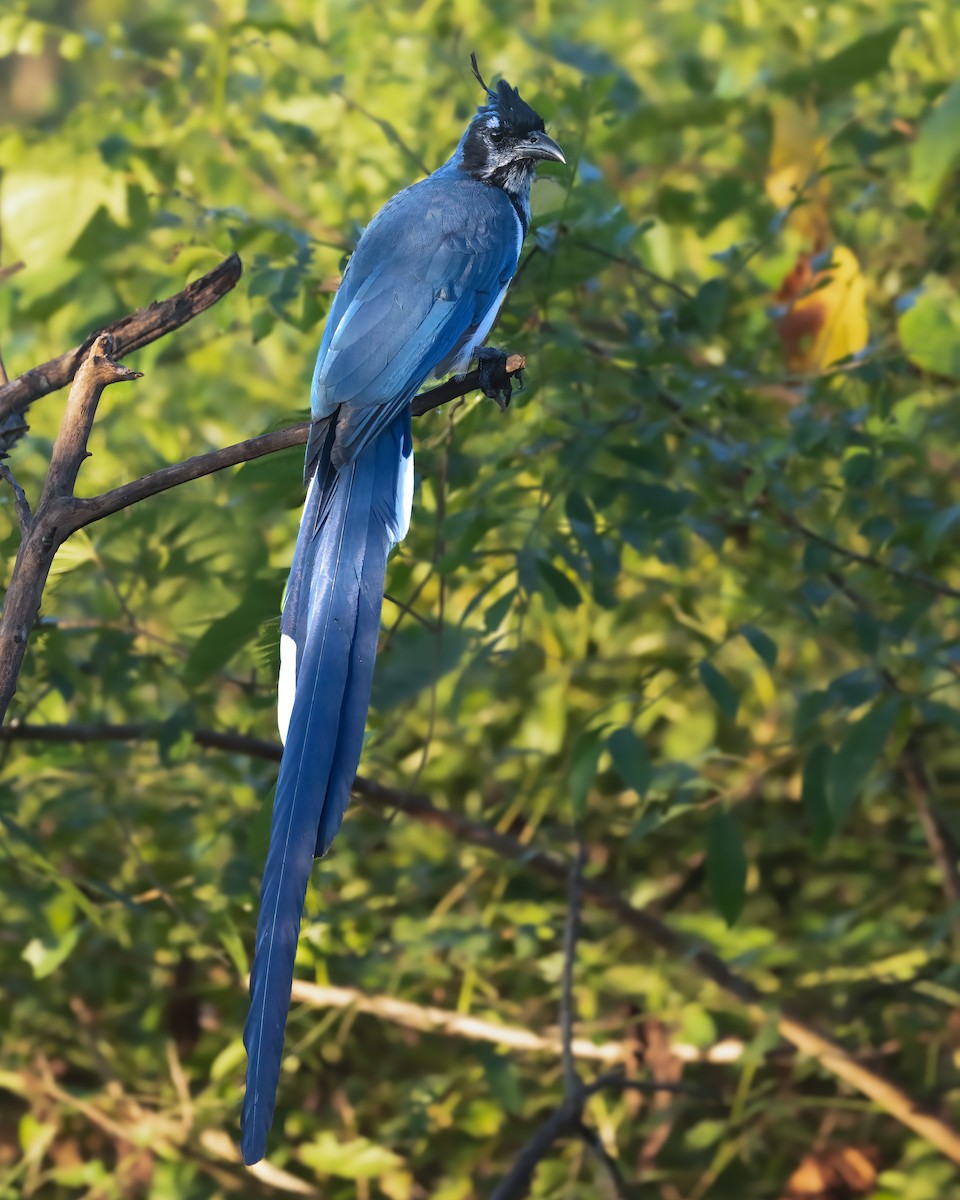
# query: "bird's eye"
[534,137]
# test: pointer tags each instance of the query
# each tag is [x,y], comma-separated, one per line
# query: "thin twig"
[516,1183]
[210,739]
[869,560]
[572,1084]
[634,266]
[619,1189]
[942,853]
[24,516]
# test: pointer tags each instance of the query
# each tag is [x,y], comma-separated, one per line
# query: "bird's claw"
[496,382]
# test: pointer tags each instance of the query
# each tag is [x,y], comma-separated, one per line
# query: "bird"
[418,296]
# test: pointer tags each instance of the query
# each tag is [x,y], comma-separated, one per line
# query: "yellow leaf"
[796,155]
[827,317]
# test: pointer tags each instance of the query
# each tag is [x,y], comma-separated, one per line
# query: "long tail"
[331,617]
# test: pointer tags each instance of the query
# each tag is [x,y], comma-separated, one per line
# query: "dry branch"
[47,530]
[129,333]
[93,509]
[428,1019]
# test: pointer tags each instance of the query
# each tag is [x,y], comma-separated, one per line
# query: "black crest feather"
[515,115]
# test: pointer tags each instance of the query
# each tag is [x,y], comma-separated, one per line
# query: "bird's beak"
[544,148]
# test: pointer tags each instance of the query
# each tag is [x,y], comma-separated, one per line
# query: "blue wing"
[425,276]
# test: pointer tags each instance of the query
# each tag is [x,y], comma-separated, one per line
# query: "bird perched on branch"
[419,295]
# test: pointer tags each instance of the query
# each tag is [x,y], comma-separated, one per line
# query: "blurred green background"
[622,613]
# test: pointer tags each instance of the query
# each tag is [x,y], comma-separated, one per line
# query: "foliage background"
[622,628]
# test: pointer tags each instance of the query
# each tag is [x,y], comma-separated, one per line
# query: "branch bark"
[48,528]
[131,332]
[830,1055]
[428,1019]
[85,512]
[560,1124]
[572,1084]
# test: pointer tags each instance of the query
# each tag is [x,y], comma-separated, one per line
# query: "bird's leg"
[495,381]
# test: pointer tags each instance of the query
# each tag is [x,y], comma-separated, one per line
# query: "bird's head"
[506,139]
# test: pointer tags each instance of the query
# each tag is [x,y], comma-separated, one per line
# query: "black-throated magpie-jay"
[419,294]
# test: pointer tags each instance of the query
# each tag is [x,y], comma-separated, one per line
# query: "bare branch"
[829,1054]
[232,743]
[635,266]
[131,332]
[460,385]
[572,1084]
[869,560]
[428,1019]
[85,512]
[24,516]
[619,1188]
[516,1183]
[938,839]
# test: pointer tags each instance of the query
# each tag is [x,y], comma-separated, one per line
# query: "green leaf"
[705,1134]
[722,692]
[938,528]
[45,955]
[580,515]
[229,634]
[357,1158]
[175,735]
[755,484]
[936,151]
[630,759]
[814,794]
[855,63]
[503,1080]
[762,645]
[858,754]
[930,329]
[75,552]
[710,305]
[583,769]
[726,865]
[559,584]
[493,616]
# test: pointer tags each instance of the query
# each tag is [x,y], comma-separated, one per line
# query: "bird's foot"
[496,377]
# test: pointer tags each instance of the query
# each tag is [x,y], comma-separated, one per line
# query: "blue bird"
[419,295]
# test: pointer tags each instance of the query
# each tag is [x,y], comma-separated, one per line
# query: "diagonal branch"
[572,1084]
[85,512]
[129,333]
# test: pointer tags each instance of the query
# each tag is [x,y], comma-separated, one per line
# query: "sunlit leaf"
[351,1158]
[826,318]
[930,328]
[936,150]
